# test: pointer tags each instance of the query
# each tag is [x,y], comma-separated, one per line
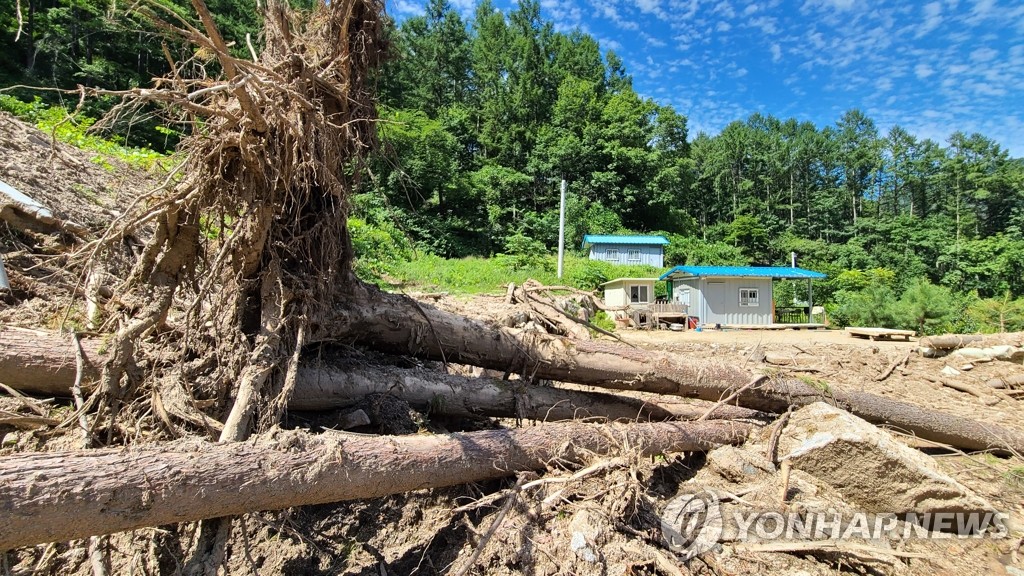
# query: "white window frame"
[611,255]
[629,293]
[750,297]
[633,255]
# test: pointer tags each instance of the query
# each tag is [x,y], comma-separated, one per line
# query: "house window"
[639,294]
[748,297]
[633,256]
[611,255]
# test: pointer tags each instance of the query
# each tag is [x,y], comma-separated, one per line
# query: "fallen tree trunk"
[59,496]
[949,341]
[43,363]
[1006,382]
[341,385]
[49,369]
[683,408]
[395,323]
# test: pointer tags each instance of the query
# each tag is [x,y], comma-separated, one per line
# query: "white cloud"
[724,9]
[609,44]
[836,5]
[984,55]
[464,6]
[981,11]
[565,13]
[611,12]
[884,84]
[653,40]
[932,19]
[767,24]
[751,9]
[407,8]
[776,53]
[723,26]
[650,6]
[923,71]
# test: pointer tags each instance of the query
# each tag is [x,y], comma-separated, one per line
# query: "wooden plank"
[879,333]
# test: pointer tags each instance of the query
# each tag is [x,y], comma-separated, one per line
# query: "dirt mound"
[75,185]
[82,192]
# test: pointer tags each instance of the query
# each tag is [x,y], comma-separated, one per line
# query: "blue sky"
[933,67]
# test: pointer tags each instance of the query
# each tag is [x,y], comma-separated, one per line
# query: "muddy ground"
[603,520]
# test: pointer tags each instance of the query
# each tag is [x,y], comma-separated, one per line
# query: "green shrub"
[998,314]
[872,306]
[927,308]
[523,252]
[588,275]
[380,249]
[601,320]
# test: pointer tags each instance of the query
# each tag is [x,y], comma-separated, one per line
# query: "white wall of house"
[629,254]
[734,301]
[626,292]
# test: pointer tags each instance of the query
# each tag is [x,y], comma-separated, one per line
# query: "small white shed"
[629,291]
[731,295]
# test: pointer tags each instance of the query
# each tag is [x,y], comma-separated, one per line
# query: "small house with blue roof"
[622,249]
[732,295]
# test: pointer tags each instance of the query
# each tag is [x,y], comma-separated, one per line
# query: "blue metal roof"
[741,272]
[617,239]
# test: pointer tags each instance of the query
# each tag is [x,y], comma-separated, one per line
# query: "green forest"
[481,119]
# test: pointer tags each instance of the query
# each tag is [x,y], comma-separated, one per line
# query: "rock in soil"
[868,466]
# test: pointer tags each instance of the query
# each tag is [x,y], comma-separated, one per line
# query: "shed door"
[716,303]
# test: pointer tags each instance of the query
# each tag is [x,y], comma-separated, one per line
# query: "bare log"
[954,385]
[1006,382]
[24,217]
[393,322]
[683,408]
[341,385]
[42,362]
[58,496]
[949,341]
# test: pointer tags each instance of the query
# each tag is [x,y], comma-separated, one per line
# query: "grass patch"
[475,275]
[817,383]
[74,130]
[1015,478]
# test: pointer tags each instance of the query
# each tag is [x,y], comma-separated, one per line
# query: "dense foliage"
[482,118]
[487,116]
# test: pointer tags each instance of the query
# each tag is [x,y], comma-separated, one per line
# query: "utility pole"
[561,229]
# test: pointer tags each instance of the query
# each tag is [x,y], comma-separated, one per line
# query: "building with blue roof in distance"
[733,295]
[627,249]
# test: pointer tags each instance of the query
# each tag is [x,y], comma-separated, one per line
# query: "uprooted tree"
[246,261]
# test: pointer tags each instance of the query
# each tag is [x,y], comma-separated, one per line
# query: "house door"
[716,303]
